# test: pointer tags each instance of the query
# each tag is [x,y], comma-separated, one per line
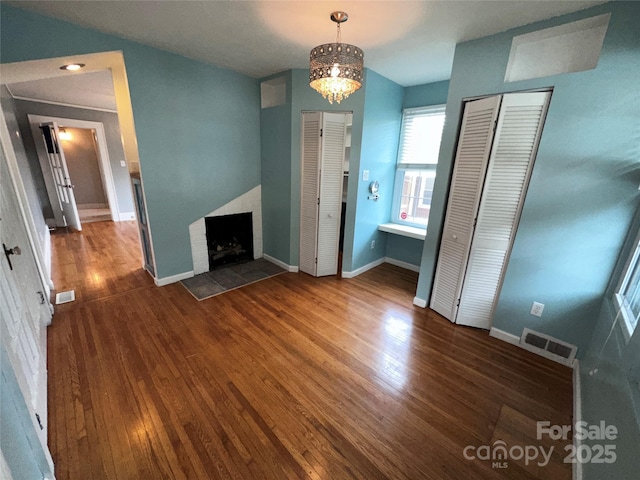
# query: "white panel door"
[60,172]
[474,146]
[24,309]
[310,191]
[510,164]
[334,131]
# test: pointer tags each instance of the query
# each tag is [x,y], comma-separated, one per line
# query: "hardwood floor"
[291,377]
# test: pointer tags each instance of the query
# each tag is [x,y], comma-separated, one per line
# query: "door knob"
[11,251]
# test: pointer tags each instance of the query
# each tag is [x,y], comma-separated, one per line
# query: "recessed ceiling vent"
[549,347]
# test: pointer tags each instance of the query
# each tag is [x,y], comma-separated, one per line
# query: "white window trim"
[397,185]
[622,308]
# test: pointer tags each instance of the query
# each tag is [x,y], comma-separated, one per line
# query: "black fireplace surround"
[229,239]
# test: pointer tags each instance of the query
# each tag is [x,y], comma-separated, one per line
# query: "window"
[416,167]
[627,295]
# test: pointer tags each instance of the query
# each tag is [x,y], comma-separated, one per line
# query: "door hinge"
[316,260]
[320,132]
[458,304]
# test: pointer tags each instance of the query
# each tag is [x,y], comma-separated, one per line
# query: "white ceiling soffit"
[83,89]
[409,42]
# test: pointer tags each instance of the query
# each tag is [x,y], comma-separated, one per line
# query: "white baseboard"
[504,336]
[419,302]
[577,416]
[161,282]
[362,269]
[401,264]
[124,216]
[92,206]
[280,263]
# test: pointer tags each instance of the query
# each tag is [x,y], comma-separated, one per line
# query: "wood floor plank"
[291,377]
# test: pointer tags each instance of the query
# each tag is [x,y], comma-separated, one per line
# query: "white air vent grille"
[549,347]
[65,297]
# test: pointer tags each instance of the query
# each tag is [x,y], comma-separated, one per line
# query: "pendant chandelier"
[335,69]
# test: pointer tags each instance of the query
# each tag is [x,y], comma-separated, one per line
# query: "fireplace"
[229,239]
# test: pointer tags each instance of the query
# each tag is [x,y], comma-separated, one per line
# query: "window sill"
[404,230]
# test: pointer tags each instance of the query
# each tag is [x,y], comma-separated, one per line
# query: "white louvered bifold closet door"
[474,146]
[334,128]
[510,164]
[310,178]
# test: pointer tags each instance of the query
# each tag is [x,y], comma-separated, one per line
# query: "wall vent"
[549,347]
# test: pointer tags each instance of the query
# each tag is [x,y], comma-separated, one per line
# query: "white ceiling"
[409,42]
[87,89]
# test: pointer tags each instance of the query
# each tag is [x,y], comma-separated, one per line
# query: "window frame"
[623,309]
[401,168]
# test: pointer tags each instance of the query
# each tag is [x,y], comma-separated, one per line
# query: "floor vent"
[65,297]
[548,347]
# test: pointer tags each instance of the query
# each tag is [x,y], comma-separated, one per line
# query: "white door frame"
[103,155]
[114,61]
[44,266]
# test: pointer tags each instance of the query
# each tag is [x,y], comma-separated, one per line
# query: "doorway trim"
[28,70]
[103,155]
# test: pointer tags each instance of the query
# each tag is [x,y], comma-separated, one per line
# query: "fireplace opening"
[229,239]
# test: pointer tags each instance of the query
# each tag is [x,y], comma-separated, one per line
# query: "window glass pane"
[631,295]
[415,198]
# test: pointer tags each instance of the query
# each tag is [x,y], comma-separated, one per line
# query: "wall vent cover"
[548,346]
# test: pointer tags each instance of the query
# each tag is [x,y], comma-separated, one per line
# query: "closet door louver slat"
[468,176]
[333,137]
[510,164]
[310,167]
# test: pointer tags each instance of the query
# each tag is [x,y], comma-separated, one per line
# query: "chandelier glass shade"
[335,69]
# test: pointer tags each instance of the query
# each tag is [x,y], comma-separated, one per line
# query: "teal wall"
[583,189]
[427,94]
[403,248]
[197,126]
[610,379]
[379,150]
[304,98]
[275,153]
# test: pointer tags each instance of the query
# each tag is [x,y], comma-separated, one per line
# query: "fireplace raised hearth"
[229,239]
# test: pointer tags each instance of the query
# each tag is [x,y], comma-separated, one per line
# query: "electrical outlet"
[537,308]
[123,163]
[373,244]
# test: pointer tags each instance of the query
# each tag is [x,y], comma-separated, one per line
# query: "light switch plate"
[123,163]
[365,175]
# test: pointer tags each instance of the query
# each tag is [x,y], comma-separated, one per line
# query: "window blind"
[420,135]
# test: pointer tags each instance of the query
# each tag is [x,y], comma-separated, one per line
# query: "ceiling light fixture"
[335,69]
[64,135]
[72,67]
